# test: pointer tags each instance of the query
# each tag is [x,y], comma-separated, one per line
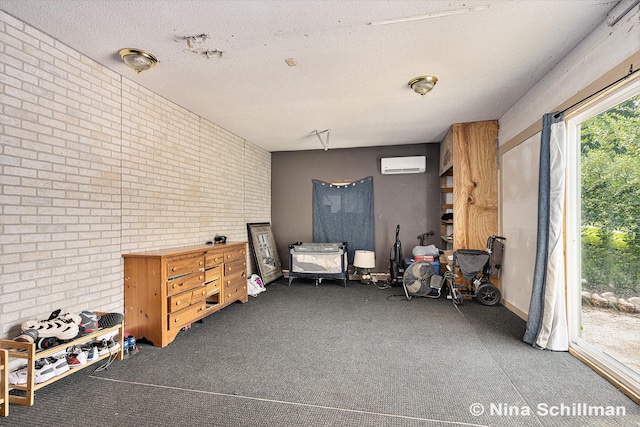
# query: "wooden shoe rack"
[23,350]
[4,383]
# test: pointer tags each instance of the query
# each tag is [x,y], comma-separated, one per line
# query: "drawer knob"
[173,269]
[176,320]
[177,302]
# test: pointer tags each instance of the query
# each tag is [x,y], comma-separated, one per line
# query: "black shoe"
[110,319]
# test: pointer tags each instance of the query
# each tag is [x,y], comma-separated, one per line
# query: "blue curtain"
[546,323]
[344,213]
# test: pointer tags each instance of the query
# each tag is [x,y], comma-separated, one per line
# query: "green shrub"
[610,269]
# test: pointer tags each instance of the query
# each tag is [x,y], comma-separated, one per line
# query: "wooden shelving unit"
[4,383]
[468,172]
[27,351]
[446,207]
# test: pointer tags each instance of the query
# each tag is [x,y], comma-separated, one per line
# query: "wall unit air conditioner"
[401,165]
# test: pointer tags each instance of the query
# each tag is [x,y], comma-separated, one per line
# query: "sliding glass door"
[603,230]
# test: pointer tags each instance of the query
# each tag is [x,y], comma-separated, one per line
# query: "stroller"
[477,267]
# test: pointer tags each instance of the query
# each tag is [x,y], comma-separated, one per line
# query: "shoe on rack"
[92,352]
[110,319]
[18,377]
[76,357]
[75,318]
[43,371]
[59,363]
[68,329]
[44,343]
[109,346]
[30,336]
[45,328]
[89,322]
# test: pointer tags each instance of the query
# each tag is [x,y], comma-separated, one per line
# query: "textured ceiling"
[351,77]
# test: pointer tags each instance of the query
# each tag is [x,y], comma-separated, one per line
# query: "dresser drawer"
[234,254]
[190,314]
[179,266]
[214,273]
[179,301]
[237,279]
[184,283]
[213,287]
[213,258]
[234,267]
[235,291]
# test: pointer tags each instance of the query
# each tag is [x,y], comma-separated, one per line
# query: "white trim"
[617,370]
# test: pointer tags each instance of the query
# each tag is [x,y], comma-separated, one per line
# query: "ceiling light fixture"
[429,15]
[423,84]
[138,60]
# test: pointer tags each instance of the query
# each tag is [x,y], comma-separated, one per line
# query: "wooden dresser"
[165,290]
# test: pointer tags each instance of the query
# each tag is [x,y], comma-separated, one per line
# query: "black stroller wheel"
[488,294]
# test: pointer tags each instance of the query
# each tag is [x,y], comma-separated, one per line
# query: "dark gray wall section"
[413,201]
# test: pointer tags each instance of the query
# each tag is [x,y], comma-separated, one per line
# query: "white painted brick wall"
[93,166]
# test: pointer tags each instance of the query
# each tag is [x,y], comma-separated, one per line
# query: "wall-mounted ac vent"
[400,165]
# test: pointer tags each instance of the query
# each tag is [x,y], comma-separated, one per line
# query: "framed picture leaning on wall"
[264,250]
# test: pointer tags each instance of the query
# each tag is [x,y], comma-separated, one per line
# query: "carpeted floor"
[334,356]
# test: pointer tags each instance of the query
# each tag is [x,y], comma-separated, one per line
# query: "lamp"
[138,60]
[423,84]
[364,260]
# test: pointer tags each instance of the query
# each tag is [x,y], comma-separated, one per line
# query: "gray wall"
[413,201]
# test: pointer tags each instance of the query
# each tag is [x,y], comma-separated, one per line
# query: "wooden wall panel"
[475,184]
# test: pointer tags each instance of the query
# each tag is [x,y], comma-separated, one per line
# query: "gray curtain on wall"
[547,318]
[344,213]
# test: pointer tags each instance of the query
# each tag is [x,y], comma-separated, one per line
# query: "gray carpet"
[334,356]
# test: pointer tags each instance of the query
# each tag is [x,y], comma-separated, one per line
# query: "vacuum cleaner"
[397,264]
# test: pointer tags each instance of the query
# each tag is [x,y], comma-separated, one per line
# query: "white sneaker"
[45,328]
[67,329]
[92,353]
[76,357]
[59,363]
[108,347]
[18,377]
[43,371]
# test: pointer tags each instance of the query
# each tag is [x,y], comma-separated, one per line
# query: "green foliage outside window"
[610,156]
